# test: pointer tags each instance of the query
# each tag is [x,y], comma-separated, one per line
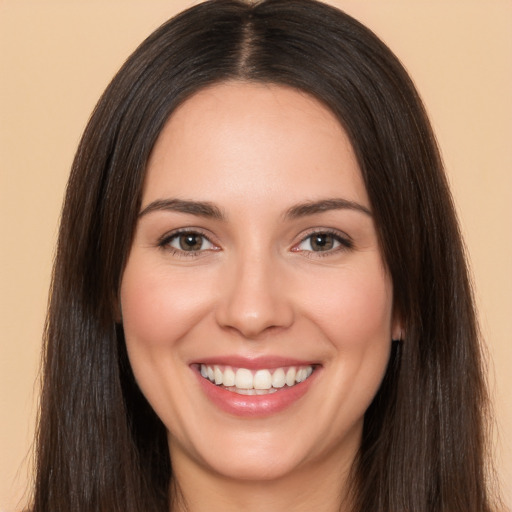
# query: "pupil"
[322,242]
[190,242]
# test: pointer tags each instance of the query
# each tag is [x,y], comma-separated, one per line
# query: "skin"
[258,287]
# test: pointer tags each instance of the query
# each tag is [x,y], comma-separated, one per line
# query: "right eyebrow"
[199,208]
[324,205]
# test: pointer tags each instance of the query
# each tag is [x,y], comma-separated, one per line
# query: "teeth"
[217,373]
[301,375]
[243,379]
[252,391]
[261,382]
[278,378]
[290,377]
[229,377]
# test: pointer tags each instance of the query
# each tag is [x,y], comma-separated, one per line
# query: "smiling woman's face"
[255,264]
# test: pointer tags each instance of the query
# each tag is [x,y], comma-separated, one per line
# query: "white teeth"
[241,391]
[252,391]
[262,381]
[290,377]
[217,372]
[229,377]
[301,375]
[279,378]
[243,379]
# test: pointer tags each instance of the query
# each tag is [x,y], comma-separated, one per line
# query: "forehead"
[254,139]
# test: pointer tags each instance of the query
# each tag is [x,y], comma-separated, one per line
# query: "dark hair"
[100,445]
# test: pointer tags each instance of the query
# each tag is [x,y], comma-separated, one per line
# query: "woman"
[260,297]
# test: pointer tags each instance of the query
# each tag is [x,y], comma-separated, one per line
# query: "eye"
[323,241]
[187,241]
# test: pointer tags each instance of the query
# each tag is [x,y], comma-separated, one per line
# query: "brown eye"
[188,241]
[322,241]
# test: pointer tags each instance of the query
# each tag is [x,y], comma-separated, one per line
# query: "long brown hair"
[100,445]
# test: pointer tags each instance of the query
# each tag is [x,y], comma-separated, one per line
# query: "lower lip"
[255,406]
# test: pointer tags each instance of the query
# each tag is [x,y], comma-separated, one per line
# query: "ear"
[397,327]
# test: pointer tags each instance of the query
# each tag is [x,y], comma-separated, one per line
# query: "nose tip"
[254,302]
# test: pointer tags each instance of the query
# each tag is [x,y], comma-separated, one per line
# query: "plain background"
[56,57]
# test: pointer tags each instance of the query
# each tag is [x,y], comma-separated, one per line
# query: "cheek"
[159,307]
[356,317]
[353,306]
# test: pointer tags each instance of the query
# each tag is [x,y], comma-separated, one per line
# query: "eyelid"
[163,242]
[345,241]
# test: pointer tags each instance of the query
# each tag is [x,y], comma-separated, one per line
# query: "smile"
[255,382]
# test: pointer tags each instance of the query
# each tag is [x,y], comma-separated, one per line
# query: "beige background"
[56,57]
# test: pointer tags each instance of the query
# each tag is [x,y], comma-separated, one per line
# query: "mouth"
[244,381]
[255,387]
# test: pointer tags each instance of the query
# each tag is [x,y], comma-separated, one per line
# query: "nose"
[255,298]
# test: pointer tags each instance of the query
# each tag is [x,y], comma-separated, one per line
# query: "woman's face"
[255,265]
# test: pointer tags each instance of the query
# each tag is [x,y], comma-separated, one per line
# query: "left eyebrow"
[324,205]
[199,208]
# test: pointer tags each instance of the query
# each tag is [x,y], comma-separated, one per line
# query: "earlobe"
[397,331]
[397,337]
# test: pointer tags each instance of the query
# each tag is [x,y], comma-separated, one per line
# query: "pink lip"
[255,363]
[254,406]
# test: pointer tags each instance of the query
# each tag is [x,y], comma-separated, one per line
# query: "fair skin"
[255,250]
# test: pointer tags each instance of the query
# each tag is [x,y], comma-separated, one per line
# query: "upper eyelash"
[163,242]
[343,239]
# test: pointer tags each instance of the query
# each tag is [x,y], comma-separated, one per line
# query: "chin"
[259,467]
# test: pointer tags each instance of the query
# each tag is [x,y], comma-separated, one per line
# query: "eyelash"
[166,240]
[344,243]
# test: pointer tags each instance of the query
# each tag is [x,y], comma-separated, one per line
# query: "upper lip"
[254,363]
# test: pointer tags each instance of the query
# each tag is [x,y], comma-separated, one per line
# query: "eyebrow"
[324,205]
[199,208]
[209,210]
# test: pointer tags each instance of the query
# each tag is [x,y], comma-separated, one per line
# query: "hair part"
[100,445]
